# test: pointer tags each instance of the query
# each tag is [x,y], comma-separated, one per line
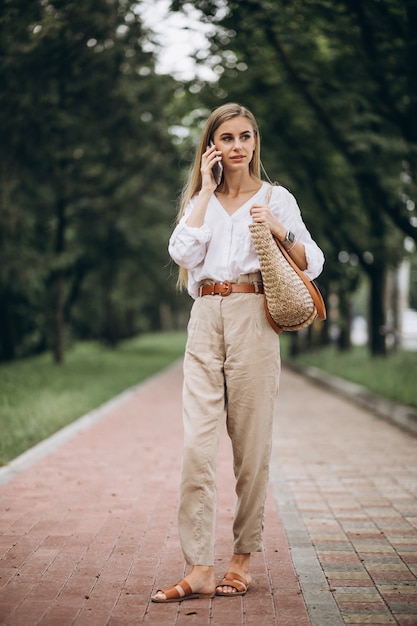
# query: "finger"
[211,149]
[211,161]
[208,161]
[259,207]
[208,151]
[212,155]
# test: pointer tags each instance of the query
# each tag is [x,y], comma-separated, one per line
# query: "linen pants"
[231,376]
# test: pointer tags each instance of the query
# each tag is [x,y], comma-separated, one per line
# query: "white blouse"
[222,249]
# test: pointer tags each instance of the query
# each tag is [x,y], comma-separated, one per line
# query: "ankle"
[241,561]
[205,571]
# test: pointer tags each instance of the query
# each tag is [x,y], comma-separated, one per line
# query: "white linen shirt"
[222,249]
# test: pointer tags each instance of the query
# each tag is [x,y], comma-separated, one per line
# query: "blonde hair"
[193,185]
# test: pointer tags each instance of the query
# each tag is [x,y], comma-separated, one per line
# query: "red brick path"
[346,483]
[89,532]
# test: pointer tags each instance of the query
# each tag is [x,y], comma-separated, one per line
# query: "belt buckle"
[227,285]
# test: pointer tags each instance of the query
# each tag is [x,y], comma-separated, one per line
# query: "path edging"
[398,414]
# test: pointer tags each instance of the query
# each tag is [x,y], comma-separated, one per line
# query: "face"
[236,139]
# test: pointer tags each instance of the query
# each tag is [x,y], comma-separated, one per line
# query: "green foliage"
[90,167]
[413,286]
[332,86]
[37,398]
[392,377]
[88,175]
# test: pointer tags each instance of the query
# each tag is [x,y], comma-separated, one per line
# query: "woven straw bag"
[292,301]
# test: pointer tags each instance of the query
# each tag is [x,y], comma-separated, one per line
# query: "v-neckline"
[242,205]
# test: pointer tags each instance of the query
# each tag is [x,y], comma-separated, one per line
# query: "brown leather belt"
[226,288]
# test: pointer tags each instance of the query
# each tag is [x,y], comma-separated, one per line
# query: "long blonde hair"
[193,185]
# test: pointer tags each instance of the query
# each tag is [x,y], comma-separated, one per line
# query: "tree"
[315,73]
[88,173]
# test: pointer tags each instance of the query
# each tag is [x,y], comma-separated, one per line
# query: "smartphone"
[217,169]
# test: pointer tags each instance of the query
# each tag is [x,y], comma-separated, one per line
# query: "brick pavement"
[346,486]
[88,532]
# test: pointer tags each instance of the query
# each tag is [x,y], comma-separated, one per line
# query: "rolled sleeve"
[315,261]
[188,246]
[287,210]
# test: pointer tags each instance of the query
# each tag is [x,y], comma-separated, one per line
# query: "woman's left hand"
[262,214]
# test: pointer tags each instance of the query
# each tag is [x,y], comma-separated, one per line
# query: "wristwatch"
[289,238]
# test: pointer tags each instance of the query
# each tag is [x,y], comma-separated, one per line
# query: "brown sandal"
[173,595]
[233,580]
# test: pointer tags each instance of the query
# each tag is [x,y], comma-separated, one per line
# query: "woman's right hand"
[210,157]
[208,186]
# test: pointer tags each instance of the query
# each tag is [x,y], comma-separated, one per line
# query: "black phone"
[217,169]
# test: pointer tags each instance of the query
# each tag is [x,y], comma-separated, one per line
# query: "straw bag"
[292,301]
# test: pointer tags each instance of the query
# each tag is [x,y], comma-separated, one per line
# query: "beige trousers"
[231,376]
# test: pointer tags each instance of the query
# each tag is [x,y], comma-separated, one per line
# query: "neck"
[239,183]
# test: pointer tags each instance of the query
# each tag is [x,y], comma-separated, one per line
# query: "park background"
[100,119]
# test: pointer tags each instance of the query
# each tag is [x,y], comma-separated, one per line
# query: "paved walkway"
[87,519]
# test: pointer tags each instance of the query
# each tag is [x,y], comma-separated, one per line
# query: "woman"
[231,363]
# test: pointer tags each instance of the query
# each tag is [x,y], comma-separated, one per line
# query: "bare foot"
[201,580]
[239,564]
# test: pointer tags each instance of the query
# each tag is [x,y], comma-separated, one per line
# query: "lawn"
[394,376]
[37,398]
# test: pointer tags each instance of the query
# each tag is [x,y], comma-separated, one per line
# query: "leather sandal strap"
[172,592]
[234,580]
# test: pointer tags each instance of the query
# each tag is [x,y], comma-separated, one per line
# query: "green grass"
[394,377]
[37,398]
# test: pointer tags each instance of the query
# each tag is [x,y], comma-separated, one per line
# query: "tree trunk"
[165,316]
[294,344]
[377,343]
[110,332]
[59,284]
[59,319]
[7,331]
[345,312]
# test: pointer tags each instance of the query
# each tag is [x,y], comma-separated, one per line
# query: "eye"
[246,136]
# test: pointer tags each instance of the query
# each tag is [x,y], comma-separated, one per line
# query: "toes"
[226,589]
[160,595]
